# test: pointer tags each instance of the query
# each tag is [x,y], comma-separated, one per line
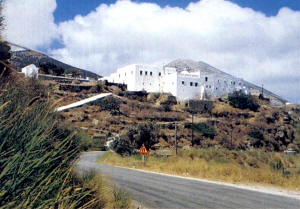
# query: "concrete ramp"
[82,102]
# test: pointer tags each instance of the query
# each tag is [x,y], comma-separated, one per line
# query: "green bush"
[37,154]
[109,104]
[256,134]
[145,134]
[166,107]
[258,138]
[206,130]
[242,101]
[122,146]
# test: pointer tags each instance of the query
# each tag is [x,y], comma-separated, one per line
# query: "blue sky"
[67,9]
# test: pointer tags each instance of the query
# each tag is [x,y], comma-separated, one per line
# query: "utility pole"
[231,126]
[176,138]
[262,90]
[192,127]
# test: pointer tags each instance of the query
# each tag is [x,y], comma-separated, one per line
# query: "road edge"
[253,187]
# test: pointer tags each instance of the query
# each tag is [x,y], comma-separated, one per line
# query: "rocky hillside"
[190,65]
[220,125]
[20,59]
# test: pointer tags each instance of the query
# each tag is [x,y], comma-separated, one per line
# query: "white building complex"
[181,83]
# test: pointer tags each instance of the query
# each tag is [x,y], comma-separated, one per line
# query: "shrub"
[109,104]
[145,134]
[256,134]
[258,137]
[37,154]
[242,101]
[206,130]
[166,107]
[122,146]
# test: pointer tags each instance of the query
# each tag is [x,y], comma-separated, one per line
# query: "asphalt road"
[160,191]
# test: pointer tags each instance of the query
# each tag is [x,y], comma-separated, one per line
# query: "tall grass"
[252,166]
[36,154]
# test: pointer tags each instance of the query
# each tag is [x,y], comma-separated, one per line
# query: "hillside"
[269,128]
[20,59]
[190,65]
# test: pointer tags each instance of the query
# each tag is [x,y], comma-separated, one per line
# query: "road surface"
[161,191]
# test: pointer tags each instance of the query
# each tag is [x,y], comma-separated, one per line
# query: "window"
[151,73]
[196,84]
[143,83]
[146,73]
[141,72]
[191,83]
[218,81]
[206,79]
[182,82]
[125,74]
[234,83]
[216,88]
[119,75]
[131,72]
[159,74]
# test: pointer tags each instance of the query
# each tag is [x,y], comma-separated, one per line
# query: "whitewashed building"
[184,84]
[30,71]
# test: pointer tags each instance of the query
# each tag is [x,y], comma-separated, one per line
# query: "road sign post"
[143,151]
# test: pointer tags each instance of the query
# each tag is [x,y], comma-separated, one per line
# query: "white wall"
[148,78]
[183,85]
[30,71]
[188,86]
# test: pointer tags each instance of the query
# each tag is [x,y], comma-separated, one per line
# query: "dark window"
[146,72]
[216,88]
[141,72]
[159,74]
[119,75]
[196,84]
[125,74]
[234,83]
[206,79]
[191,83]
[182,82]
[151,73]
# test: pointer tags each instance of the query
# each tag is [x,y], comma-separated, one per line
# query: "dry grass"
[108,195]
[274,169]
